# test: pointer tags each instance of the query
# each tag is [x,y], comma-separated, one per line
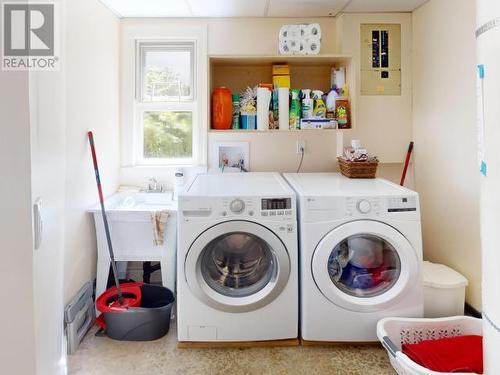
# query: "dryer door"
[364,266]
[237,266]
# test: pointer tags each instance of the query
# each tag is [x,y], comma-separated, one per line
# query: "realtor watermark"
[30,36]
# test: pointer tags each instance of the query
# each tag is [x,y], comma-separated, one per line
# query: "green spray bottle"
[294,119]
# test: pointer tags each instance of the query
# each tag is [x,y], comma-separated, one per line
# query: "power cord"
[302,152]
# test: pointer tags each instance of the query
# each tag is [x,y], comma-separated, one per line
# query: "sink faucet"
[154,186]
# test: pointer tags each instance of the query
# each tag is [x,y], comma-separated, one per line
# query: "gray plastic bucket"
[148,322]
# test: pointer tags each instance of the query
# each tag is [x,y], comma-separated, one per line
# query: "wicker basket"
[358,169]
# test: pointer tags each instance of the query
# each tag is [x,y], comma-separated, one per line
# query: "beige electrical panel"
[380,59]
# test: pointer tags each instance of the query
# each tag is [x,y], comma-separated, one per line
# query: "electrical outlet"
[301,147]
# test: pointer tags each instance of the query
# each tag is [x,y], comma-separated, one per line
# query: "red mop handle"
[96,168]
[407,162]
[105,218]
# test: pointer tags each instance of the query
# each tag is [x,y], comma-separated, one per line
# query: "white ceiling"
[254,8]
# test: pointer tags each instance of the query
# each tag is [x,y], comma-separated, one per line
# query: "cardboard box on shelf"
[281,81]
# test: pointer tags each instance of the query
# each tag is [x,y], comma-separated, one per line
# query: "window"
[166,102]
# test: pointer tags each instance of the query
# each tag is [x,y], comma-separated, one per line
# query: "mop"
[115,299]
[407,162]
[131,311]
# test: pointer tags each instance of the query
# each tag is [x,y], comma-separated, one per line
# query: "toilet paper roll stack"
[300,39]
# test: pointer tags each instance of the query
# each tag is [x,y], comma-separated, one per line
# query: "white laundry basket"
[393,332]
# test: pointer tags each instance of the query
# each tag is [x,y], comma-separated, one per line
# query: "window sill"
[138,175]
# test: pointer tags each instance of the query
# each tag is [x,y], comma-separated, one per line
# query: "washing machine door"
[364,266]
[237,266]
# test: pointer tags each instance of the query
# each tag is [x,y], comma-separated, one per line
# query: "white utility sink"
[131,224]
[136,201]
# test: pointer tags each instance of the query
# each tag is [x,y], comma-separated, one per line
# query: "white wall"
[383,123]
[17,344]
[444,125]
[92,82]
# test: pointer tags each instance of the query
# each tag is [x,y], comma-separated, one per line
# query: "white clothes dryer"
[360,255]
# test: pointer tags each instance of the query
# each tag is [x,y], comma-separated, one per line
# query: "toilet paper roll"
[312,46]
[302,47]
[303,31]
[263,100]
[284,32]
[313,30]
[294,45]
[283,104]
[294,31]
[284,48]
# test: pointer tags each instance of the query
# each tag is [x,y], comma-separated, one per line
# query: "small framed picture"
[230,156]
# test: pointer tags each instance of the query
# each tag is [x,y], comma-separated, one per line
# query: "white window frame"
[189,104]
[143,46]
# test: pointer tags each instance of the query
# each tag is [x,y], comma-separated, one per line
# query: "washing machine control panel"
[364,206]
[276,207]
[273,208]
[237,206]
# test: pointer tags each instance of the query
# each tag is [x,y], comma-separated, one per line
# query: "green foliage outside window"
[162,83]
[168,134]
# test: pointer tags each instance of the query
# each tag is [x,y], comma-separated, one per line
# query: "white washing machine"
[360,255]
[237,259]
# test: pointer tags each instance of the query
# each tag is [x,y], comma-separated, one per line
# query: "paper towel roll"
[263,100]
[283,104]
[313,30]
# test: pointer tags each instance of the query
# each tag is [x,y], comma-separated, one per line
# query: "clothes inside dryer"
[237,264]
[364,265]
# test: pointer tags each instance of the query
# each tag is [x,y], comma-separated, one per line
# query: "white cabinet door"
[48,179]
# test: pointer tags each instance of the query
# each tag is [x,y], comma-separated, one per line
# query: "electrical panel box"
[380,59]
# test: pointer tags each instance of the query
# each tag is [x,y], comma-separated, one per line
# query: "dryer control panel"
[402,204]
[363,206]
[380,206]
[272,208]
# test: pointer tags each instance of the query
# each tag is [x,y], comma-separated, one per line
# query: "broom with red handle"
[105,218]
[407,162]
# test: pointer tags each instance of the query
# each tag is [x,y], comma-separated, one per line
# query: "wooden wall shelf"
[275,131]
[237,72]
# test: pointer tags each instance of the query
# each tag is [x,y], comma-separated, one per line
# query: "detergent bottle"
[294,119]
[307,104]
[319,105]
[330,103]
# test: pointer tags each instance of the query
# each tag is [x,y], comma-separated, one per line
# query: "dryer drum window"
[364,265]
[238,264]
